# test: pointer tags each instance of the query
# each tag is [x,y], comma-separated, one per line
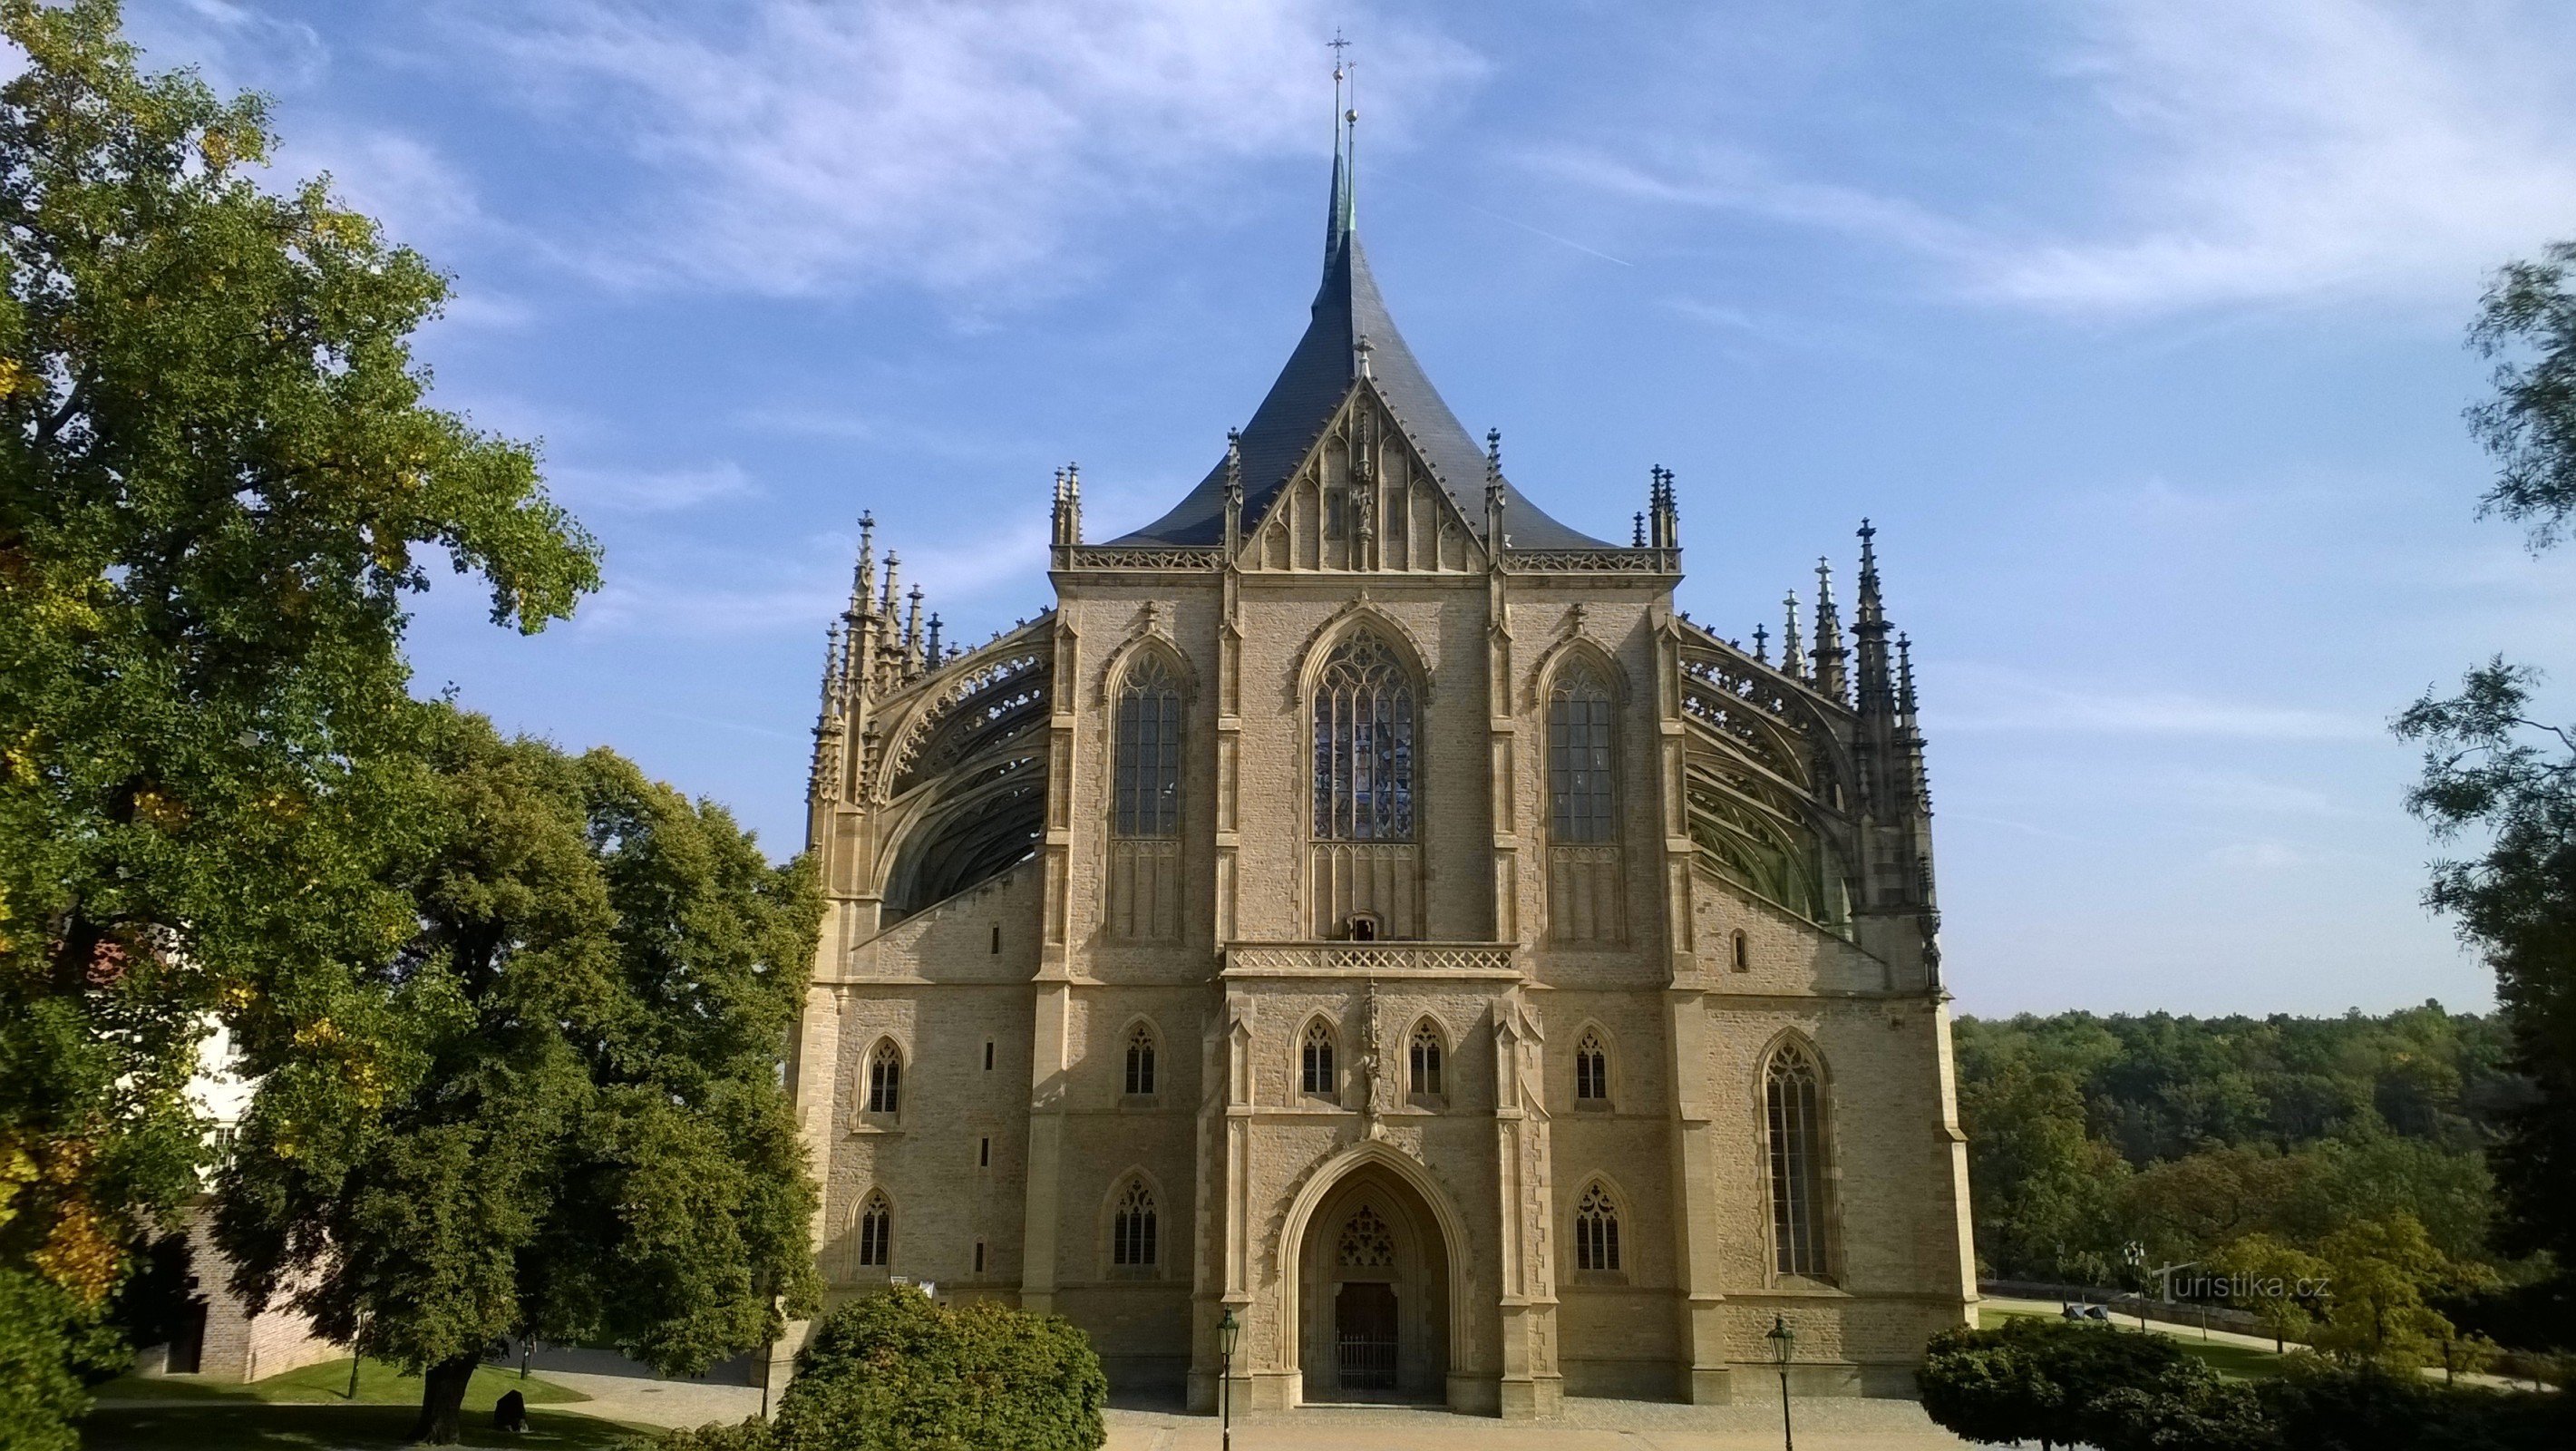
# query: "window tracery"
[1794,1128]
[1591,1070]
[1315,1060]
[876,1231]
[1146,789]
[1580,784]
[885,1079]
[1424,1066]
[1364,744]
[1367,1243]
[1140,1062]
[1133,1230]
[1596,1230]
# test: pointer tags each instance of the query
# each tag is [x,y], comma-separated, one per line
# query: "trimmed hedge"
[896,1372]
[2091,1385]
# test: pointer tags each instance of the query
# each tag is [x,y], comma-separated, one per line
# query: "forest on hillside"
[2230,1142]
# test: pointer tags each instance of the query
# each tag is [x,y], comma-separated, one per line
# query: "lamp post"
[1784,1343]
[1226,1331]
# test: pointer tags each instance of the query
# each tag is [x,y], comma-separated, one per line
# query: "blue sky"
[2135,326]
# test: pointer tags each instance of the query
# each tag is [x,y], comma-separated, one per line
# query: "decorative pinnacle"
[1904,676]
[1761,644]
[1234,464]
[1493,455]
[1637,531]
[1361,347]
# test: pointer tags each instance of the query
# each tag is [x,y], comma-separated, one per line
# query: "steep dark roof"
[1319,374]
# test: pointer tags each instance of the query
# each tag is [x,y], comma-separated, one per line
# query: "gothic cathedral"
[1362,907]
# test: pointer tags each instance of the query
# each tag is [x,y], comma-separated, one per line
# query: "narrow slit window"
[984,1152]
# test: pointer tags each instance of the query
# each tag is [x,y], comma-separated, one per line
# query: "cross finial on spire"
[1361,347]
[1761,644]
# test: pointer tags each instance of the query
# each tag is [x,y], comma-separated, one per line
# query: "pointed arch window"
[1596,1231]
[1140,1062]
[876,1231]
[1793,1125]
[885,1079]
[1364,745]
[1133,1231]
[1423,1065]
[1582,801]
[1315,1060]
[1147,784]
[1591,1071]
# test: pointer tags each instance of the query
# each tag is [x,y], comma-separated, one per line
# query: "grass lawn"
[328,1384]
[244,1424]
[2236,1362]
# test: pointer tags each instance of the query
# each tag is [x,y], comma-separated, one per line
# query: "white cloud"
[2289,151]
[2313,147]
[808,149]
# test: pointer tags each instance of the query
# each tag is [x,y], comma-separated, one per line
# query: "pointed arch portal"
[1376,1290]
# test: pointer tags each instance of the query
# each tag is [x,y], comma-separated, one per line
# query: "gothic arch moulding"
[1318,1184]
[1572,649]
[1168,1230]
[1361,614]
[1151,638]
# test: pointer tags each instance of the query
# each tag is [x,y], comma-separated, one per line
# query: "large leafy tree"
[579,1129]
[218,483]
[2495,769]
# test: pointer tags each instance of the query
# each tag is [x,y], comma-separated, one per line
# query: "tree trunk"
[442,1400]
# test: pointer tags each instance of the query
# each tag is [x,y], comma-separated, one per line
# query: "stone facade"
[1599,1031]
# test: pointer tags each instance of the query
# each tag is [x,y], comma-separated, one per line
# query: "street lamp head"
[1783,1340]
[1226,1330]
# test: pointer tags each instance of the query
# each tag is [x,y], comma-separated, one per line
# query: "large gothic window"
[1132,1230]
[1579,781]
[1794,1128]
[885,1079]
[1315,1060]
[1596,1230]
[876,1231]
[1364,744]
[1147,788]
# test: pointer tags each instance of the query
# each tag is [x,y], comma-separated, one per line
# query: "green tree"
[2043,1186]
[218,484]
[2381,1275]
[578,1128]
[2491,764]
[2277,1281]
[2063,1385]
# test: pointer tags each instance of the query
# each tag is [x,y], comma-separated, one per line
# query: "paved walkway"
[1832,1423]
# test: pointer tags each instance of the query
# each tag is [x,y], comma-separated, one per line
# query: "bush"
[2323,1408]
[751,1434]
[2062,1384]
[896,1372]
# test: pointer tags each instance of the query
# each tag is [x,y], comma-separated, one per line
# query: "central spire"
[1350,340]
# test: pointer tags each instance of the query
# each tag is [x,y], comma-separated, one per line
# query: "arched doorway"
[1373,1293]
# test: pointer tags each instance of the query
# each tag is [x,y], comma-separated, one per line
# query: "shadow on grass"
[327,1384]
[254,1426]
